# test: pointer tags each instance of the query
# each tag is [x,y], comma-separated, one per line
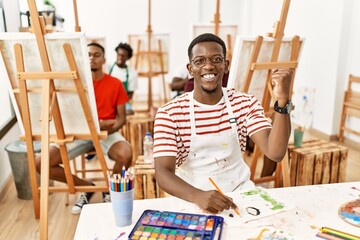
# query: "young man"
[202,133]
[124,72]
[110,98]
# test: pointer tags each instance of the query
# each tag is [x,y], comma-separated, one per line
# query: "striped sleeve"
[256,119]
[164,134]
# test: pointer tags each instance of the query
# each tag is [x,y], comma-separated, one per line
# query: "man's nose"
[208,63]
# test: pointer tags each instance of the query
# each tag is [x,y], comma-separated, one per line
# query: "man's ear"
[189,68]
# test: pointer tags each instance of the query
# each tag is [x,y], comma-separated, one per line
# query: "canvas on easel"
[244,47]
[63,112]
[151,60]
[51,72]
[69,103]
[139,42]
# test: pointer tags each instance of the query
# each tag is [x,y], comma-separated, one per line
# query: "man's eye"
[216,60]
[199,61]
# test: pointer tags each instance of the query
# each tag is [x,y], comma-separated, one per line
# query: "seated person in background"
[110,98]
[202,133]
[179,79]
[124,72]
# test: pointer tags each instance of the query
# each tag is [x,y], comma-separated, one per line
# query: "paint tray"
[154,224]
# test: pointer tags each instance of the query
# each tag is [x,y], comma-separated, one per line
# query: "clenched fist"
[281,81]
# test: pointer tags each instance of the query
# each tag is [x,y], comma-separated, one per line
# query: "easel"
[217,22]
[149,54]
[351,107]
[277,34]
[76,17]
[51,111]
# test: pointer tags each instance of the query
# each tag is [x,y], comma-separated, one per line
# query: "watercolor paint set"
[154,224]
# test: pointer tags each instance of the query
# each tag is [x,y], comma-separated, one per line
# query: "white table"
[315,206]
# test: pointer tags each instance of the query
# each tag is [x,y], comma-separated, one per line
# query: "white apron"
[217,156]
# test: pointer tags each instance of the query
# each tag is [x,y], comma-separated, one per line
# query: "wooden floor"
[17,219]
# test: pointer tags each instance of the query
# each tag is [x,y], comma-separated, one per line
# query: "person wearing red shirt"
[110,96]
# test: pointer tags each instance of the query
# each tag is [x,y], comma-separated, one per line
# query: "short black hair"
[126,47]
[97,45]
[206,37]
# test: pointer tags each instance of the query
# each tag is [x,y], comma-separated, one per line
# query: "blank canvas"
[241,58]
[73,117]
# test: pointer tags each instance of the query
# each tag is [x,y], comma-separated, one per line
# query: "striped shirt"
[172,129]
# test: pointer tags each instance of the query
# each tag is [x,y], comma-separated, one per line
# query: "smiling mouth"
[208,77]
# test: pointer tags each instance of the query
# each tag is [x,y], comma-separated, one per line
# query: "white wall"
[12,17]
[5,169]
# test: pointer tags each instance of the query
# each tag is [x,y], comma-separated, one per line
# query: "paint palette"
[154,224]
[350,212]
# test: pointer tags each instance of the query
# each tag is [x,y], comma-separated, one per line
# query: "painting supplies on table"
[350,212]
[270,233]
[122,182]
[219,190]
[333,234]
[154,224]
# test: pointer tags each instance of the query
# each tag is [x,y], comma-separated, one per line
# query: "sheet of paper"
[254,204]
[250,202]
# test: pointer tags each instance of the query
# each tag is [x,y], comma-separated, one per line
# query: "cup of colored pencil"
[122,182]
[121,188]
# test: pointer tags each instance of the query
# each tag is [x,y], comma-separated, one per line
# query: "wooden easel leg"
[277,175]
[162,69]
[285,170]
[24,101]
[86,107]
[254,56]
[253,163]
[45,155]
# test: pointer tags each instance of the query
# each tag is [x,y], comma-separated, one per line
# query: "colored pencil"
[127,185]
[121,185]
[328,236]
[338,233]
[123,171]
[219,190]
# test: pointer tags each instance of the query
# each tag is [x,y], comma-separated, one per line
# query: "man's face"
[207,66]
[122,56]
[97,58]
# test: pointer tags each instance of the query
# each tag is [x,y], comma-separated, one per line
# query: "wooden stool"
[145,182]
[317,162]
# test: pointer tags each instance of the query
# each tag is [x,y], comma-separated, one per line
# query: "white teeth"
[209,76]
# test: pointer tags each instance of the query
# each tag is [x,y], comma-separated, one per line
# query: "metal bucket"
[19,164]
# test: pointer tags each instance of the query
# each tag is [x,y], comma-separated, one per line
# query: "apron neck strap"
[232,119]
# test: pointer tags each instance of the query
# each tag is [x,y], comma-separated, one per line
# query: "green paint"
[252,192]
[264,195]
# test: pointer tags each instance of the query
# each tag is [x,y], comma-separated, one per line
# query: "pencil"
[219,190]
[338,233]
[328,236]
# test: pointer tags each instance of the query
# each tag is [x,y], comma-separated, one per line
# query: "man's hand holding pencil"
[214,201]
